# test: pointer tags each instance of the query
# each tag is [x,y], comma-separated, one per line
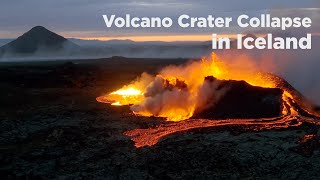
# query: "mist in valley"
[299,67]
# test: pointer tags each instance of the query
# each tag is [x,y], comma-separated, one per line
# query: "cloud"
[85,15]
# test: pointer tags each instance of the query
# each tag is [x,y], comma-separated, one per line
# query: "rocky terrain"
[51,127]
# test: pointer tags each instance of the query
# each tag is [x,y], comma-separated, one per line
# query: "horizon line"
[161,38]
[169,38]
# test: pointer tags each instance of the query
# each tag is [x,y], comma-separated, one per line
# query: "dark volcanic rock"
[308,144]
[38,40]
[50,129]
[241,100]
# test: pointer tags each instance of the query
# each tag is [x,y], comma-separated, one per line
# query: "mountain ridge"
[38,40]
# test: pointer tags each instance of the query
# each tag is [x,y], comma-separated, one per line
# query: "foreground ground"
[52,127]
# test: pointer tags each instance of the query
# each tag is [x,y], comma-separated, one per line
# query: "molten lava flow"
[125,96]
[288,99]
[151,136]
[177,92]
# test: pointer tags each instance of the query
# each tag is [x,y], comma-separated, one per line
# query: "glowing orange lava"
[177,92]
[122,97]
[151,136]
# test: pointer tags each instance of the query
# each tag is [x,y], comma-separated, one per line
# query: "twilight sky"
[83,18]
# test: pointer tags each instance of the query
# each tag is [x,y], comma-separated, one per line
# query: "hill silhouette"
[41,41]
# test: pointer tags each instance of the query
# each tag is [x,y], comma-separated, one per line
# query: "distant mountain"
[38,41]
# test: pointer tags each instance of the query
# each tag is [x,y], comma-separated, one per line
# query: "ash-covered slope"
[39,41]
[242,100]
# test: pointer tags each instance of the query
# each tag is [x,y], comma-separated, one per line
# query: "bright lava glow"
[175,93]
[127,92]
[124,96]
